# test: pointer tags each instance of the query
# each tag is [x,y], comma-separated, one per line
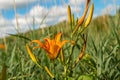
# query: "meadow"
[92,53]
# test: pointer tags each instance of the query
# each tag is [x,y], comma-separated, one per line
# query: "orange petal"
[62,43]
[52,44]
[47,42]
[39,42]
[2,46]
[56,50]
[50,47]
[53,47]
[57,37]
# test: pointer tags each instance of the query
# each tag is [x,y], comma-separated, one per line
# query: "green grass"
[101,60]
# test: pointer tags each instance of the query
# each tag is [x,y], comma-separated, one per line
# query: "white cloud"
[5,26]
[76,2]
[36,14]
[4,22]
[52,15]
[38,11]
[77,6]
[6,4]
[95,15]
[109,9]
[62,18]
[56,11]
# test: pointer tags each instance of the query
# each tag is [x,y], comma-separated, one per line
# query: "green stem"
[71,51]
[39,66]
[54,68]
[65,72]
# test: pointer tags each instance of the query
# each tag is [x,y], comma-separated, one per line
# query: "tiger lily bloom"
[51,46]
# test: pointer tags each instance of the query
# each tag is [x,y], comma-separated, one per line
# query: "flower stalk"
[81,54]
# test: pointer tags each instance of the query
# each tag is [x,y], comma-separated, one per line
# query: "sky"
[22,14]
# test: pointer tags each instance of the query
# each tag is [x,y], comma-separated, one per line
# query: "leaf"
[94,46]
[70,78]
[107,63]
[117,37]
[85,77]
[12,54]
[20,36]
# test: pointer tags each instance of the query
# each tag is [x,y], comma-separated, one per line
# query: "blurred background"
[20,15]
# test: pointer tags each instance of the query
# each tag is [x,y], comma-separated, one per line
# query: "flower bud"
[81,20]
[34,59]
[69,15]
[73,20]
[48,71]
[89,16]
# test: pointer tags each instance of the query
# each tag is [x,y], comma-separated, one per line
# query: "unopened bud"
[69,15]
[89,16]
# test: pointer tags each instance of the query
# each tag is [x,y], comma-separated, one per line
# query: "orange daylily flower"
[51,46]
[2,46]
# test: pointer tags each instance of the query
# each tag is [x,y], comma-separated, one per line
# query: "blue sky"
[26,10]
